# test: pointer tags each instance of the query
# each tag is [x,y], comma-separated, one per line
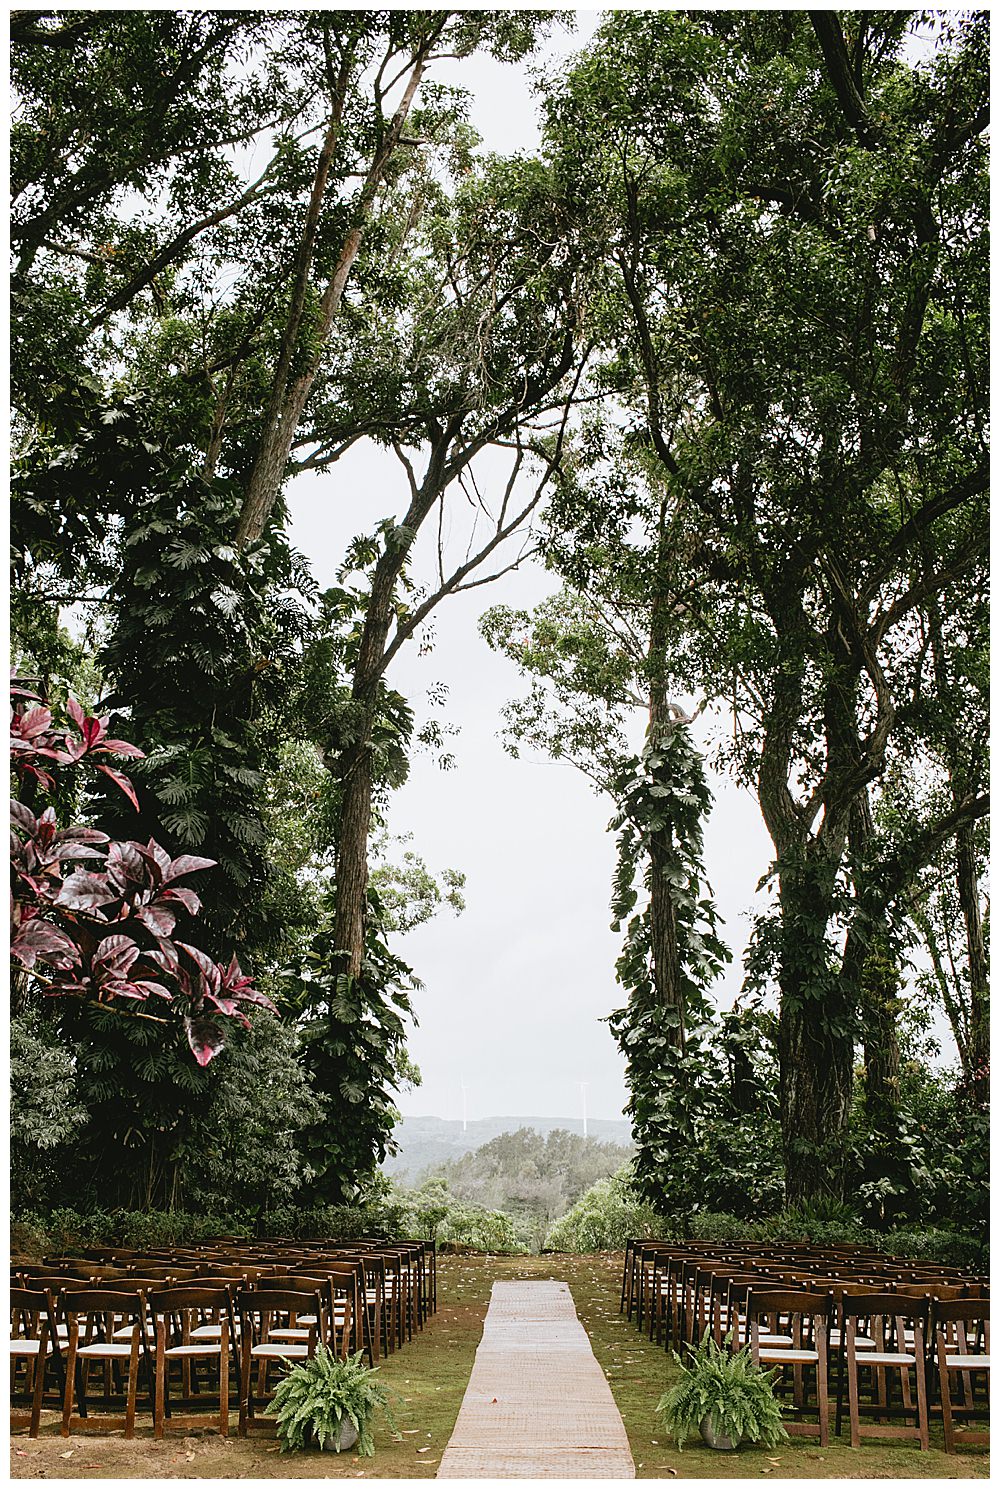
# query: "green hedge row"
[66,1231]
[601,1220]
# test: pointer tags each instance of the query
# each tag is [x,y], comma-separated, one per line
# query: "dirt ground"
[430,1375]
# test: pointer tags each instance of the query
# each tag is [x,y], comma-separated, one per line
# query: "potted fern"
[329,1402]
[724,1396]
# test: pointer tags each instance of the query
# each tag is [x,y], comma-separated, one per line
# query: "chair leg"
[160,1379]
[852,1399]
[133,1382]
[224,1391]
[949,1425]
[71,1378]
[40,1363]
[922,1427]
[822,1400]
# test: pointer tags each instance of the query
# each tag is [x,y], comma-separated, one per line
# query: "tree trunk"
[288,398]
[979,990]
[880,1006]
[663,933]
[352,859]
[815,1044]
[662,722]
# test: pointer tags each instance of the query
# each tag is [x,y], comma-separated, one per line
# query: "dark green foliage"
[354,1050]
[47,1116]
[164,1133]
[956,1248]
[317,1396]
[225,625]
[941,1172]
[66,1231]
[727,1388]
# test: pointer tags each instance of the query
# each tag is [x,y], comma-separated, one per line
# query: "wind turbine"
[583,1098]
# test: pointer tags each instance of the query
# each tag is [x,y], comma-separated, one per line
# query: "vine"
[664,798]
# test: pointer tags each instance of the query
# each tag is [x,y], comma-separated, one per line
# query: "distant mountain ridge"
[425,1142]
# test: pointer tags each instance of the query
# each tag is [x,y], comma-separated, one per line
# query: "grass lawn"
[430,1376]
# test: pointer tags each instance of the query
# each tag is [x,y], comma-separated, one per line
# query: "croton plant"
[93,918]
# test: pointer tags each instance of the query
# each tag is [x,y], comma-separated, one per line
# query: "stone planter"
[715,1439]
[345,1439]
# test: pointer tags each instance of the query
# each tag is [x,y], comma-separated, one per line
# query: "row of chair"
[203,1321]
[878,1326]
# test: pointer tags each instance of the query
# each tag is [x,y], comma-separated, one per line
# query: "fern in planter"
[729,1390]
[317,1397]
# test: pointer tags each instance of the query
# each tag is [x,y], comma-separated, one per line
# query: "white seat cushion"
[876,1358]
[967,1362]
[784,1355]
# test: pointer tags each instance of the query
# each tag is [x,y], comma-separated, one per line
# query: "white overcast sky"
[516,988]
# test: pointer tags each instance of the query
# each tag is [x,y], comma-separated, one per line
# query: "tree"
[795,313]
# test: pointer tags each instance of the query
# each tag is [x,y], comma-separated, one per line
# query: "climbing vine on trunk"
[664,802]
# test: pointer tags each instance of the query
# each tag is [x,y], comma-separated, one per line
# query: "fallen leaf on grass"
[423,1450]
[69,1454]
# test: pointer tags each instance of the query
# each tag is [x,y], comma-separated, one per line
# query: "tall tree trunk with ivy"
[664,860]
[978,965]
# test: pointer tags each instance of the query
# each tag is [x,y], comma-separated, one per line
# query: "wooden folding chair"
[898,1325]
[192,1325]
[962,1337]
[802,1319]
[97,1325]
[34,1342]
[264,1315]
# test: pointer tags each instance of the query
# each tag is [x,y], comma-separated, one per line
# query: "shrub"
[604,1217]
[484,1230]
[66,1230]
[713,1225]
[951,1248]
[928,1243]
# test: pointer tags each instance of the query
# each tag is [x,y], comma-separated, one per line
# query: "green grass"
[430,1376]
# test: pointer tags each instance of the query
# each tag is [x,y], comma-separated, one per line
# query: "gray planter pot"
[715,1439]
[345,1439]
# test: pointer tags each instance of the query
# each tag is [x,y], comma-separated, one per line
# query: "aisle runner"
[537,1405]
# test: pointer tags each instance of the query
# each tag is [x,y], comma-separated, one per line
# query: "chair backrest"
[191,1302]
[951,1320]
[806,1314]
[289,1284]
[930,1289]
[101,1311]
[52,1282]
[279,1300]
[31,1311]
[885,1305]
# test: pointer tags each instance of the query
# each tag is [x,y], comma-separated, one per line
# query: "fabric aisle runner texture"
[537,1405]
